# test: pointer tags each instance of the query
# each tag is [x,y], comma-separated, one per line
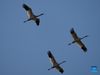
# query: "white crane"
[78,40]
[31,15]
[54,63]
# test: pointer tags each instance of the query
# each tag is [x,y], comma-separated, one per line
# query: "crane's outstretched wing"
[60,69]
[28,10]
[52,59]
[73,33]
[83,47]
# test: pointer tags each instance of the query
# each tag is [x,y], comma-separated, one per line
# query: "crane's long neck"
[62,62]
[40,15]
[83,37]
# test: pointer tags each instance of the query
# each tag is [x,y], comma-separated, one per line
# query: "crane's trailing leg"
[72,42]
[27,20]
[51,67]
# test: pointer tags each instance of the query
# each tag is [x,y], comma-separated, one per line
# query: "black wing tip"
[38,22]
[25,6]
[61,71]
[84,49]
[49,54]
[72,30]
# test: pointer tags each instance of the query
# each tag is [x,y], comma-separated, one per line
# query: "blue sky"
[24,46]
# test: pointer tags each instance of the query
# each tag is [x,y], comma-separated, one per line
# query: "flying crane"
[31,15]
[78,40]
[54,63]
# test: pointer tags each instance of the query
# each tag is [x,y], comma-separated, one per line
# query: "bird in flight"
[31,15]
[78,40]
[55,64]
